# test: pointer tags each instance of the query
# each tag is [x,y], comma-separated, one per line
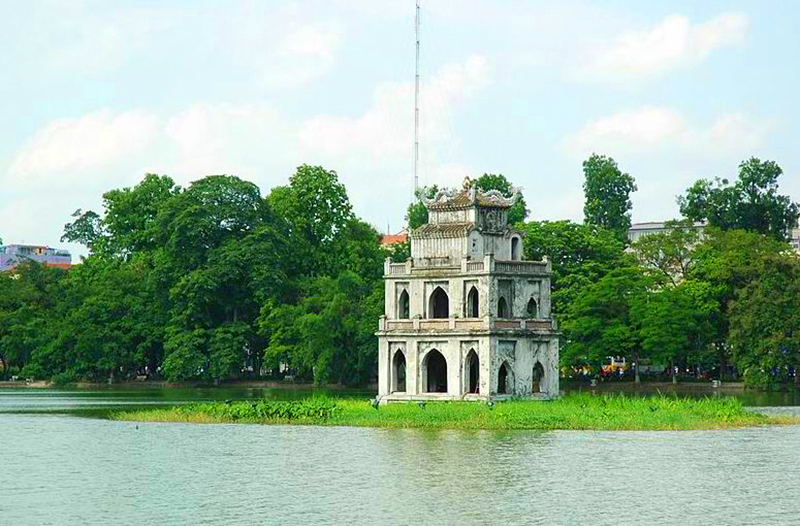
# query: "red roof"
[393,239]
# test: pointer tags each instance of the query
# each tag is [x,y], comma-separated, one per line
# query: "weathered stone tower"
[466,317]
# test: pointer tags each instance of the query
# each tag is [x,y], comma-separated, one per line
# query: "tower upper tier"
[466,223]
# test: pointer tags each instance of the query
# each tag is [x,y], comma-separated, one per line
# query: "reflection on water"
[64,470]
[65,400]
[50,400]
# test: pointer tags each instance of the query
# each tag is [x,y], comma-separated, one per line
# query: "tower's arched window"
[439,306]
[402,305]
[399,372]
[502,308]
[472,303]
[434,369]
[532,308]
[515,248]
[504,379]
[538,377]
[473,372]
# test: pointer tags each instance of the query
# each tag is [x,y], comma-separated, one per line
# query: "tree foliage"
[670,252]
[180,282]
[765,323]
[751,203]
[580,254]
[607,192]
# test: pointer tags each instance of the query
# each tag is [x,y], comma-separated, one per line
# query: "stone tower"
[466,317]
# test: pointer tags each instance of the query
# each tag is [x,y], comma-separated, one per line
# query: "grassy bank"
[572,412]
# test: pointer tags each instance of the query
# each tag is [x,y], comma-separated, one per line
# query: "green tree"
[317,210]
[398,252]
[765,323]
[330,334]
[607,191]
[751,203]
[29,312]
[670,325]
[602,321]
[726,261]
[670,252]
[222,258]
[581,254]
[129,222]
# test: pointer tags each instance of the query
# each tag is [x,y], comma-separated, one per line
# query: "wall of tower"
[453,248]
[520,355]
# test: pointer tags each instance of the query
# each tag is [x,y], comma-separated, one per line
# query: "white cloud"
[649,129]
[304,54]
[81,144]
[672,44]
[70,162]
[310,41]
[387,126]
[220,138]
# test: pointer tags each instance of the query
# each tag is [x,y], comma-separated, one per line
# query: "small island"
[577,412]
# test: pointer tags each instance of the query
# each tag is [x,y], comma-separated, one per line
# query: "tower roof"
[468,196]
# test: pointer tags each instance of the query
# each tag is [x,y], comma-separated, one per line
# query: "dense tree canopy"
[581,254]
[181,282]
[600,320]
[214,282]
[751,203]
[765,323]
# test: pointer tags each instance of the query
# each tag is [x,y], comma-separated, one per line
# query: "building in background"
[639,230]
[13,255]
[394,239]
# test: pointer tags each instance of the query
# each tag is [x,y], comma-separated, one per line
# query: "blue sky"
[95,94]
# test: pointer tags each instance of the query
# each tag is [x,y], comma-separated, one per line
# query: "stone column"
[384,364]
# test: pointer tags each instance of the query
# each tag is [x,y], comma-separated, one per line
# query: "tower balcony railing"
[465,324]
[468,266]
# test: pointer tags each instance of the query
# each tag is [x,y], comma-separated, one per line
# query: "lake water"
[64,469]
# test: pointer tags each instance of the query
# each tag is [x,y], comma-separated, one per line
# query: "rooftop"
[469,196]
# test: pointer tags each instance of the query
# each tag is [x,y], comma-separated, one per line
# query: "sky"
[94,94]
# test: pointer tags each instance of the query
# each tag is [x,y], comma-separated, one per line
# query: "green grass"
[572,412]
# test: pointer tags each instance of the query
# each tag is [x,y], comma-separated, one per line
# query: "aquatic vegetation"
[572,412]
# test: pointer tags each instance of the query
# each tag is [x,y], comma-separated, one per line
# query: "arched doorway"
[402,305]
[515,248]
[538,377]
[434,368]
[532,308]
[399,372]
[439,306]
[473,372]
[502,308]
[472,303]
[505,382]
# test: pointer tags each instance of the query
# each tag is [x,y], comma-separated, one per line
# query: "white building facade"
[466,318]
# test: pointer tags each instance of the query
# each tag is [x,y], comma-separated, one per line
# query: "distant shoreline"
[571,386]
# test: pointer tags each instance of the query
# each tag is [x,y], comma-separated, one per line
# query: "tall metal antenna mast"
[416,105]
